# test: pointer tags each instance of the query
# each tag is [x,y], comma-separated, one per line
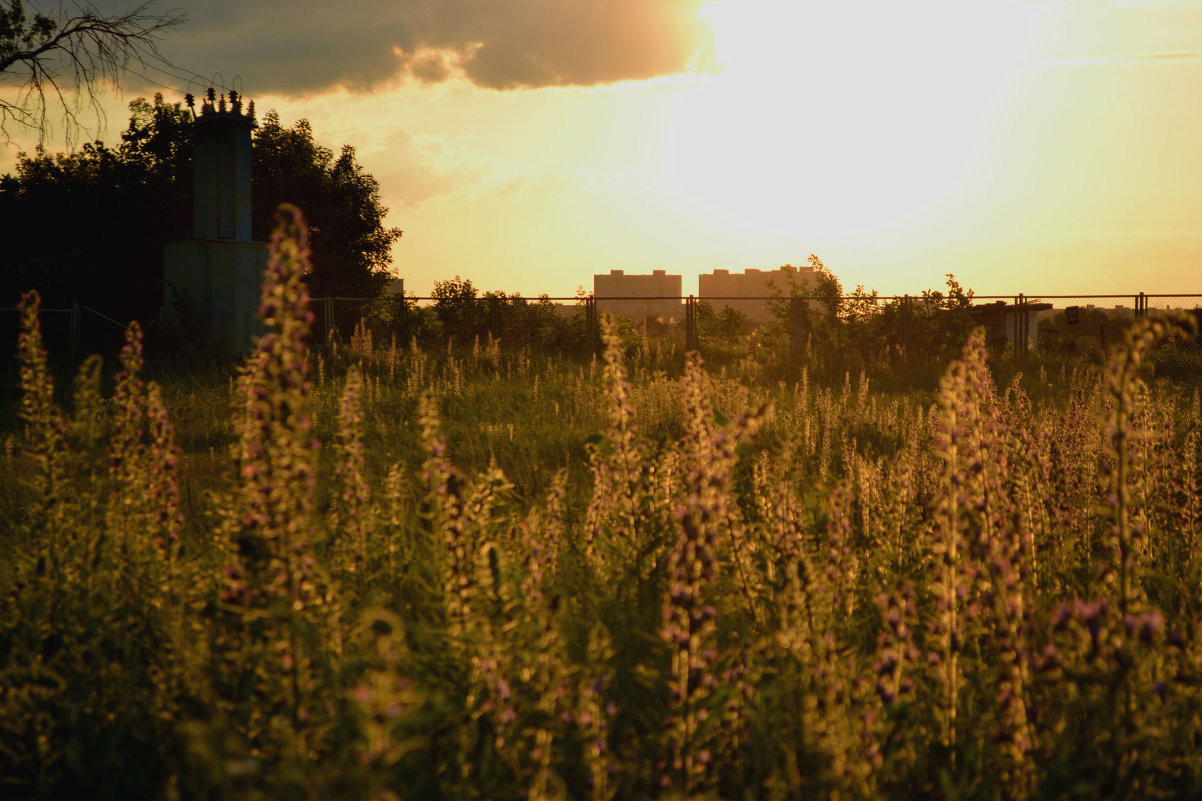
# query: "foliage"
[95,254]
[496,574]
[456,309]
[462,316]
[942,321]
[840,334]
[722,335]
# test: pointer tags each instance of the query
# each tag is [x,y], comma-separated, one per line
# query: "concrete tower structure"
[219,272]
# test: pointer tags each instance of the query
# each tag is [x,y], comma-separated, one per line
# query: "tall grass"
[380,572]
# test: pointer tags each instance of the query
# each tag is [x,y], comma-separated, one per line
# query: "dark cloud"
[304,46]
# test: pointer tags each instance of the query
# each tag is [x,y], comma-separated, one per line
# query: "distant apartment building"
[747,291]
[640,296]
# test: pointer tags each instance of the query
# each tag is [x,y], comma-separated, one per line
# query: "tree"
[64,59]
[456,307]
[944,321]
[722,335]
[351,247]
[94,222]
[827,288]
[821,313]
[848,333]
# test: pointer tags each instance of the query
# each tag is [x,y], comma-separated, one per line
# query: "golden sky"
[1024,145]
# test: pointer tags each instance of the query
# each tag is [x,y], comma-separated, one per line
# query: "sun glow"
[843,116]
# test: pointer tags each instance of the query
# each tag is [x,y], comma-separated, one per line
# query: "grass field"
[368,573]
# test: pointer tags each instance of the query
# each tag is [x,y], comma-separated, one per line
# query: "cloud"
[418,169]
[1183,55]
[306,46]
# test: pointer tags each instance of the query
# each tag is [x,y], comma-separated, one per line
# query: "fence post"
[494,318]
[796,333]
[907,326]
[591,332]
[403,322]
[327,310]
[73,336]
[690,324]
[1021,325]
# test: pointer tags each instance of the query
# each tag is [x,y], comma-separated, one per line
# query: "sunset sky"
[1024,145]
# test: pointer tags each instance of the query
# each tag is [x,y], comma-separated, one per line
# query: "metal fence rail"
[515,320]
[70,329]
[1051,324]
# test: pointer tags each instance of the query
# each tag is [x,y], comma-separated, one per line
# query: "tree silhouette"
[64,60]
[350,244]
[94,222]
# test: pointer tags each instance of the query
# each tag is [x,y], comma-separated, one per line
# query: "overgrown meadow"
[380,573]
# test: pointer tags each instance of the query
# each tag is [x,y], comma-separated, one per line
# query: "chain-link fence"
[830,333]
[72,330]
[1087,325]
[827,334]
[543,323]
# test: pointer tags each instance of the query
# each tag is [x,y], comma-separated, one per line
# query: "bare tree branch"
[64,62]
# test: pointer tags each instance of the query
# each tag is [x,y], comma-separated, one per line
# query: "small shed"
[1008,322]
